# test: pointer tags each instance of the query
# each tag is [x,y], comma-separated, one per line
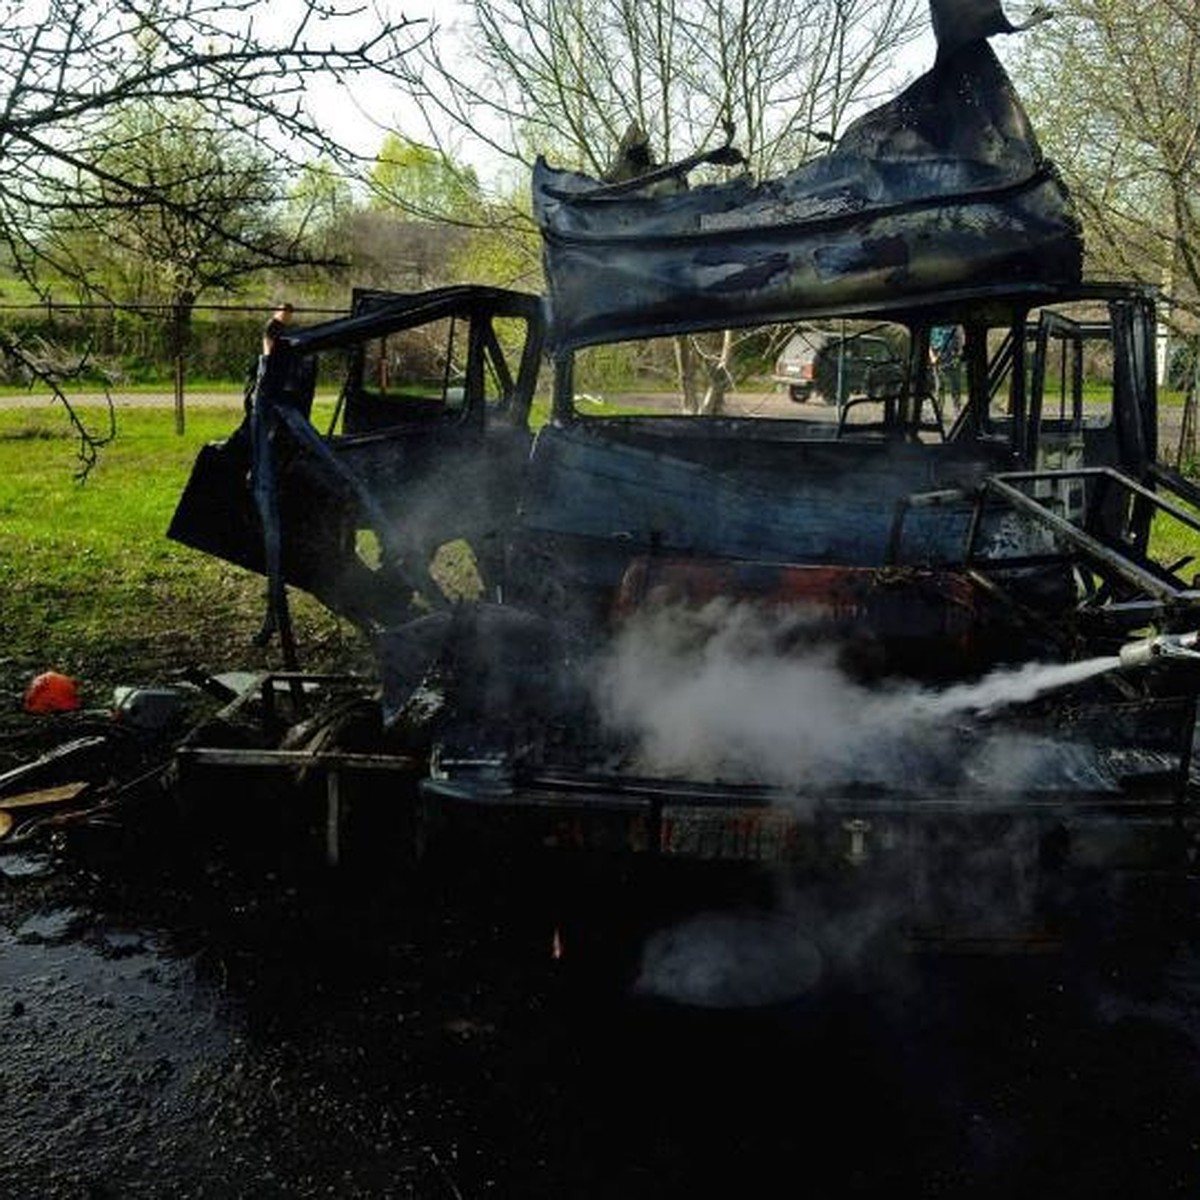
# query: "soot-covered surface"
[192,1032]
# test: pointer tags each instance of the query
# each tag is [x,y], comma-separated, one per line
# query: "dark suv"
[817,364]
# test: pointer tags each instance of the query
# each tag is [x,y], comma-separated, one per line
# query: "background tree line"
[167,154]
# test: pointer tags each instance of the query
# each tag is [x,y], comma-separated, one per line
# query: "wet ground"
[171,1027]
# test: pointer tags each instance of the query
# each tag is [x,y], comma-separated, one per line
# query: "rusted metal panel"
[908,610]
[763,500]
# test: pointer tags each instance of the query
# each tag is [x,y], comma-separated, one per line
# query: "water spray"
[1151,650]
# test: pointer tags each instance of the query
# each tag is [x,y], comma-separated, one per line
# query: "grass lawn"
[91,585]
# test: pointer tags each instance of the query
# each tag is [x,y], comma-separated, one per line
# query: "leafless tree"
[1114,87]
[567,79]
[69,71]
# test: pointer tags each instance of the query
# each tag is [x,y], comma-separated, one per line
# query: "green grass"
[89,582]
[37,392]
[1175,544]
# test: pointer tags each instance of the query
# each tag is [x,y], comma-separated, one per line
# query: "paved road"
[126,400]
[759,404]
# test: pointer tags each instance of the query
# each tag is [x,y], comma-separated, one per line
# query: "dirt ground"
[178,1021]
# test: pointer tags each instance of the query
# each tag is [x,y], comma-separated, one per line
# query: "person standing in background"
[280,319]
[945,353]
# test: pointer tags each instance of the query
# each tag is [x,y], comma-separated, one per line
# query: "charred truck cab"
[886,655]
[930,660]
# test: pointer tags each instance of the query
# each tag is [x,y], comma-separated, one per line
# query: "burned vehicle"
[943,668]
[428,434]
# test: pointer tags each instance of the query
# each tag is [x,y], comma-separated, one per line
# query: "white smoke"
[730,694]
[730,960]
[725,693]
[753,958]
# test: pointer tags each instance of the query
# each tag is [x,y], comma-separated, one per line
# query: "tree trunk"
[685,365]
[181,329]
[720,378]
[1185,452]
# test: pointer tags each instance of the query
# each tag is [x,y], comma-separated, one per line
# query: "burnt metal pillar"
[333,817]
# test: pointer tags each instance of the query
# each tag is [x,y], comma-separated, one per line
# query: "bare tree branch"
[565,78]
[68,68]
[228,84]
[1114,85]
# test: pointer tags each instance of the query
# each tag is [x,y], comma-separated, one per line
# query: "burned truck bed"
[927,650]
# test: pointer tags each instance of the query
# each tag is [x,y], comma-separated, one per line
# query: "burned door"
[1056,428]
[417,462]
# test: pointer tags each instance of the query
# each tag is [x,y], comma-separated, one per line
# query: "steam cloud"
[730,960]
[728,693]
[712,694]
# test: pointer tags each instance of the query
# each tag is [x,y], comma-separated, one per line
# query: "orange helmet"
[51,692]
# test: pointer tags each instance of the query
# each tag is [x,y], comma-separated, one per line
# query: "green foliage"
[422,182]
[318,203]
[176,205]
[117,112]
[1173,542]
[120,347]
[146,145]
[504,249]
[92,584]
[1111,87]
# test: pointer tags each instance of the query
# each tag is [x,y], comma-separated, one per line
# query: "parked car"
[817,364]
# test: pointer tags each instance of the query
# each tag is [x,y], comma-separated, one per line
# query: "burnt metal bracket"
[1156,583]
[905,504]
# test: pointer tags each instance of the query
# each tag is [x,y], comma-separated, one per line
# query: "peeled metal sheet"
[945,186]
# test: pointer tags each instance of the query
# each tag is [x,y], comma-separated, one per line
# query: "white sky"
[362,113]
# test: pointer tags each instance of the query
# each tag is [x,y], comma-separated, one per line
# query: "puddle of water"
[103,1046]
[121,942]
[26,865]
[53,926]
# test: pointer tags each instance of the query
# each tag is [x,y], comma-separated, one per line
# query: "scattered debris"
[71,756]
[43,796]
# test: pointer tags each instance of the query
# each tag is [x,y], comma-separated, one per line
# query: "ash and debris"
[204,1007]
[174,1022]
